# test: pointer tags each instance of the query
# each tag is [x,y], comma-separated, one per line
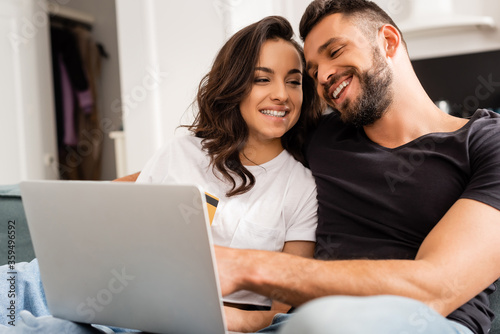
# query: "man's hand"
[231,266]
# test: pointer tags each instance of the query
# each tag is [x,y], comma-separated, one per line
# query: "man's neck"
[409,118]
[412,113]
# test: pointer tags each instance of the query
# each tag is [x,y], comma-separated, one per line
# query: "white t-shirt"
[281,206]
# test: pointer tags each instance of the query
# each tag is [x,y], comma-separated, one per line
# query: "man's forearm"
[294,280]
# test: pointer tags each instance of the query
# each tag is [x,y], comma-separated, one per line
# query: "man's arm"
[457,260]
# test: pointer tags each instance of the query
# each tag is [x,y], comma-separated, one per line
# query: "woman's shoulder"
[186,139]
[296,169]
[177,147]
[181,142]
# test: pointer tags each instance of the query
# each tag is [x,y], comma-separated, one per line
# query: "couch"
[11,210]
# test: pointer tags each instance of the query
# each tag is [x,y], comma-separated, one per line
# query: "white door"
[27,119]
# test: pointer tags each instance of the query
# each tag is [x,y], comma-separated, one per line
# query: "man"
[409,197]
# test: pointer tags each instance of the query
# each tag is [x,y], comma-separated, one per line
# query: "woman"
[255,108]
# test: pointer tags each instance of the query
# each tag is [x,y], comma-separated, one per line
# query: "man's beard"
[375,97]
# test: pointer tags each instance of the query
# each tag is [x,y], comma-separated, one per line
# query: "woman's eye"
[261,80]
[295,82]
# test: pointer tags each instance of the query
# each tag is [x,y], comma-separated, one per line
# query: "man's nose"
[325,74]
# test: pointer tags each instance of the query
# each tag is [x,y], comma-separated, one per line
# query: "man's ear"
[391,39]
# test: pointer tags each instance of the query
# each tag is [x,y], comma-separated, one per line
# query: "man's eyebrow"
[271,71]
[327,44]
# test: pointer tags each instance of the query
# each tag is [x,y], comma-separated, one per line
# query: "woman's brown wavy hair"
[219,121]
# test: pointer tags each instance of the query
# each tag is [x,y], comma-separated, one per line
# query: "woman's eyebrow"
[265,69]
[271,71]
[295,70]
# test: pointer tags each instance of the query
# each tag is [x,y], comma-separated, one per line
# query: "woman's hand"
[247,321]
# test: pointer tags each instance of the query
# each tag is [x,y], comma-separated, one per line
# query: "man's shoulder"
[484,125]
[485,116]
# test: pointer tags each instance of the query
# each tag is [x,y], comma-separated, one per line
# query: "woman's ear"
[390,38]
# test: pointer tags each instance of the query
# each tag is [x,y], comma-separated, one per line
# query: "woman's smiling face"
[273,105]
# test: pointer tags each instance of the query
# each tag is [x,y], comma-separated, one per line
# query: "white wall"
[27,121]
[165,48]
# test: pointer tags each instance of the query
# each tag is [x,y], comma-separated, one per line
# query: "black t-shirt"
[380,203]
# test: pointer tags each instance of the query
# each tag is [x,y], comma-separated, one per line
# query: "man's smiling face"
[350,72]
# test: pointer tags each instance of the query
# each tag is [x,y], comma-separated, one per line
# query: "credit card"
[212,203]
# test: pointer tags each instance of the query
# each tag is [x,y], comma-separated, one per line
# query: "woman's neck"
[258,153]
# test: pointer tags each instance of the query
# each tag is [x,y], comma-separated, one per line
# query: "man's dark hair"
[369,16]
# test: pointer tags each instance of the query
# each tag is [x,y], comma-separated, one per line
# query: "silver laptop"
[137,256]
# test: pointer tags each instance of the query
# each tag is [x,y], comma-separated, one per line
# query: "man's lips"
[335,91]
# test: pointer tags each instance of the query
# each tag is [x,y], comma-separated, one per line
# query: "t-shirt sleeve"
[484,185]
[302,208]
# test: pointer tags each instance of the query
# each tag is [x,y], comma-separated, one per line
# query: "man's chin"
[357,119]
[347,116]
[339,109]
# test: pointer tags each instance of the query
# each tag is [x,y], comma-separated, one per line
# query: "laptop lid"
[128,255]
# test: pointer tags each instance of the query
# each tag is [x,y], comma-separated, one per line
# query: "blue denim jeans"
[29,294]
[278,321]
[373,315]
